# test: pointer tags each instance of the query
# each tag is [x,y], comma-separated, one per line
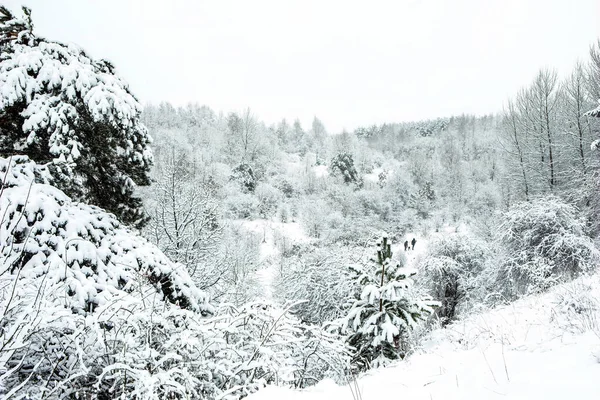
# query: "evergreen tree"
[63,109]
[343,165]
[244,175]
[385,310]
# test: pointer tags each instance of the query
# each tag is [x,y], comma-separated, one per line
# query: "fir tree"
[244,175]
[63,109]
[385,310]
[343,165]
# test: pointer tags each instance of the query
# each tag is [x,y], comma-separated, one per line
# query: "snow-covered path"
[270,232]
[414,256]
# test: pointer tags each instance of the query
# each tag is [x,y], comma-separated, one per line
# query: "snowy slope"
[541,347]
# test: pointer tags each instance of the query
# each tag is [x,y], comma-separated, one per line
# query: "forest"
[151,251]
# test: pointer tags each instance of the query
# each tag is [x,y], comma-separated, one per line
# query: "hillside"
[161,252]
[539,347]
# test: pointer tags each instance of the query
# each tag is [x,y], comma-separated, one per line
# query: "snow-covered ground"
[321,171]
[540,347]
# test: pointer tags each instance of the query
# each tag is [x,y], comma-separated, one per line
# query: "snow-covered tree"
[385,310]
[343,165]
[315,276]
[184,215]
[268,198]
[72,113]
[245,176]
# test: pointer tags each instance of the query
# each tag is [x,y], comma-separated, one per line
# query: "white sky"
[350,63]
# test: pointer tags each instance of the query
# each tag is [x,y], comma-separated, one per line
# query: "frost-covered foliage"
[268,345]
[44,233]
[544,243]
[322,279]
[450,271]
[268,199]
[63,109]
[241,206]
[184,215]
[385,311]
[595,112]
[83,312]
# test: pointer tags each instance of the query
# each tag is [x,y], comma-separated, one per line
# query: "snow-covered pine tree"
[244,175]
[343,165]
[384,312]
[71,113]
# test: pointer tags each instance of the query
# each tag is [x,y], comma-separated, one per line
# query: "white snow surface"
[321,171]
[540,347]
[374,175]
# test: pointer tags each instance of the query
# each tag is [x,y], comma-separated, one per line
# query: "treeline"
[548,135]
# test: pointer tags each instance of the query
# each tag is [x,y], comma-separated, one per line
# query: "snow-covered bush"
[64,109]
[83,312]
[265,344]
[351,231]
[450,272]
[268,199]
[69,274]
[384,312]
[545,243]
[372,202]
[283,212]
[241,206]
[313,213]
[344,199]
[579,306]
[320,278]
[287,187]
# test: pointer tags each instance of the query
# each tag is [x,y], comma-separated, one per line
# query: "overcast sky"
[350,63]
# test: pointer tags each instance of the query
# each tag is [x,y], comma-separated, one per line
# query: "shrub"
[241,205]
[268,199]
[450,270]
[544,242]
[320,278]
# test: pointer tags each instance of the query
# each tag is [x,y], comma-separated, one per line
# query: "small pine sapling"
[384,311]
